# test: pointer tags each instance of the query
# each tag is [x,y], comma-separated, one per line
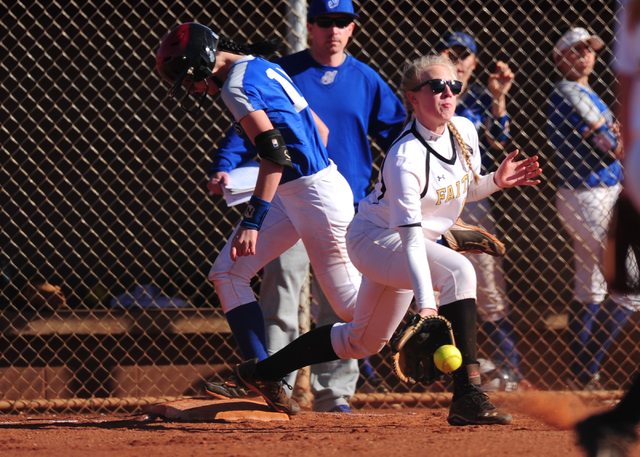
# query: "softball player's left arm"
[404,177]
[255,123]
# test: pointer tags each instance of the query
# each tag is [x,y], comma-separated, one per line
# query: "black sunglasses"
[438,86]
[326,22]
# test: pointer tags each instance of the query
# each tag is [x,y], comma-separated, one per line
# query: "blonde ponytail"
[466,153]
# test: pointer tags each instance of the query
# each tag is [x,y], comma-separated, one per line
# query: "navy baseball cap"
[451,39]
[320,7]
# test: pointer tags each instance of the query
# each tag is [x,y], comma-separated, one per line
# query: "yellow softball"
[447,358]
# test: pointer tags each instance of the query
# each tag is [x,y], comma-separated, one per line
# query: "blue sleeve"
[387,115]
[498,127]
[231,152]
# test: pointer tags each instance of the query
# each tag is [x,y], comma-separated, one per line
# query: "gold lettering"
[465,181]
[441,195]
[449,194]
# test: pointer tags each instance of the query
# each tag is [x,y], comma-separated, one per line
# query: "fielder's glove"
[414,345]
[465,238]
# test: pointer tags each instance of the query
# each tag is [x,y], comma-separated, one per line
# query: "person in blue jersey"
[355,103]
[587,144]
[486,108]
[428,174]
[299,193]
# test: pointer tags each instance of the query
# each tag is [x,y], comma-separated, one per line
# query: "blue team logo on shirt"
[329,77]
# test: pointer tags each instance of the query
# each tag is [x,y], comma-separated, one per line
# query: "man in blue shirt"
[354,102]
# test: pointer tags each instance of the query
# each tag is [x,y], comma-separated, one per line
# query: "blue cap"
[451,39]
[320,7]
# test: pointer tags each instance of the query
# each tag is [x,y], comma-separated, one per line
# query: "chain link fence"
[103,201]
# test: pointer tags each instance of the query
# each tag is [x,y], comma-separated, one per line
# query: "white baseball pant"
[385,293]
[585,214]
[316,209]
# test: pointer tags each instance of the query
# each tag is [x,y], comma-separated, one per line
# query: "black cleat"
[271,391]
[603,435]
[470,406]
[228,389]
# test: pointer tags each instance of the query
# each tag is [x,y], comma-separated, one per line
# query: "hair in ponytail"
[466,154]
[262,49]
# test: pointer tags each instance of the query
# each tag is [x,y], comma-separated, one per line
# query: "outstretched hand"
[522,173]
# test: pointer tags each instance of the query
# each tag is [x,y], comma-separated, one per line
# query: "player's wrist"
[424,312]
[255,213]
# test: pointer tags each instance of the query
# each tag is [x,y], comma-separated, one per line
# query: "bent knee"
[361,349]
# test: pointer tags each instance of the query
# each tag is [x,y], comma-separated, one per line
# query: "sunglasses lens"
[437,85]
[342,23]
[326,22]
[456,87]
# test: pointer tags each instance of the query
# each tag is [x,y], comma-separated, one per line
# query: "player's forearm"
[268,180]
[413,245]
[497,129]
[482,189]
[499,106]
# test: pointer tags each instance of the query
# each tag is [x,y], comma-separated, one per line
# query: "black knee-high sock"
[309,349]
[462,315]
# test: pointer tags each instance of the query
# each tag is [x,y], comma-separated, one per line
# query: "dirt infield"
[541,427]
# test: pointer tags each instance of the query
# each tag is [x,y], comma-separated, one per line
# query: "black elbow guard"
[271,146]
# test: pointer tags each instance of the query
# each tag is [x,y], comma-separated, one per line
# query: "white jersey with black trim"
[424,179]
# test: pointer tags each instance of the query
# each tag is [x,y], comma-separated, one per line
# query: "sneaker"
[271,391]
[341,409]
[501,379]
[604,435]
[228,389]
[470,406]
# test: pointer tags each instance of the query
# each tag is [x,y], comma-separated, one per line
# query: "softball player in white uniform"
[428,174]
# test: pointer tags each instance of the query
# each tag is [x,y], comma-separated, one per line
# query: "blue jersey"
[475,104]
[572,107]
[353,101]
[256,84]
